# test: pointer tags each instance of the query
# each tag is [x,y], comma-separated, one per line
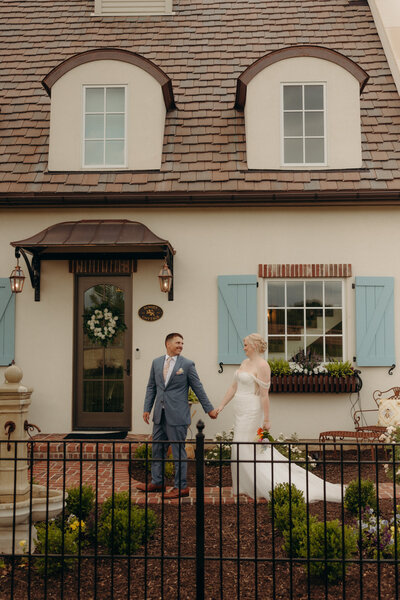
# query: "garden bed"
[242,529]
[114,580]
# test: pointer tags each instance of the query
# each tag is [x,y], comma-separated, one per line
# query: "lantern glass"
[17,279]
[165,278]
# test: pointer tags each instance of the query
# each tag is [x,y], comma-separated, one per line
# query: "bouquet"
[264,436]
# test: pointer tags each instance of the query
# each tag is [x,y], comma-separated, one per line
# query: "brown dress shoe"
[176,493]
[150,487]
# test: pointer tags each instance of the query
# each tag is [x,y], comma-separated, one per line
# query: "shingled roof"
[202,48]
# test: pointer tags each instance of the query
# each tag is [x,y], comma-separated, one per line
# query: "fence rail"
[80,528]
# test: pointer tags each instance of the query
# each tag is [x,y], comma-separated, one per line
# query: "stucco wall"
[145,114]
[208,243]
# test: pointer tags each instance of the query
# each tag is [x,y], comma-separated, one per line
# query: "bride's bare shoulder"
[264,369]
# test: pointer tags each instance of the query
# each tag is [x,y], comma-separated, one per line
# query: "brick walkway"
[113,467]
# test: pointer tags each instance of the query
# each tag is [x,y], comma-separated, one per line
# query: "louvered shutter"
[7,322]
[375,321]
[237,315]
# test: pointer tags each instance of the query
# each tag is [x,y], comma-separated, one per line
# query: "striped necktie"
[166,367]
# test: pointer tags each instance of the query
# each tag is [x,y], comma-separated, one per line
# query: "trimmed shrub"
[58,542]
[123,532]
[288,501]
[332,569]
[119,500]
[358,495]
[296,538]
[139,455]
[80,501]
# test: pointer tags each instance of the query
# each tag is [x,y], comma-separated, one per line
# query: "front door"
[103,387]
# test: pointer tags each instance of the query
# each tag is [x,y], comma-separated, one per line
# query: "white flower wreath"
[102,324]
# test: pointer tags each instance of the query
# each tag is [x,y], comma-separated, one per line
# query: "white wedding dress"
[255,478]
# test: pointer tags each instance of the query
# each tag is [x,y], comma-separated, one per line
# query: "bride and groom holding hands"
[171,375]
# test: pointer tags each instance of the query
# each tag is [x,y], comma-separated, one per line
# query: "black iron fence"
[73,524]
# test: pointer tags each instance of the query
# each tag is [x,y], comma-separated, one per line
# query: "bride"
[256,470]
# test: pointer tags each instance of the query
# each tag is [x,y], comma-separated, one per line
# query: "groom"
[168,386]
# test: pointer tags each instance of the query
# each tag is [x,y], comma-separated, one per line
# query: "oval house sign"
[150,312]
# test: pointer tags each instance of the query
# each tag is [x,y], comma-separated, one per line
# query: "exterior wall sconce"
[165,278]
[17,279]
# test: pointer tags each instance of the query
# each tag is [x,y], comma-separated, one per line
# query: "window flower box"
[314,384]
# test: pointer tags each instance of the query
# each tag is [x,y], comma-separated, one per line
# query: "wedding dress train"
[266,465]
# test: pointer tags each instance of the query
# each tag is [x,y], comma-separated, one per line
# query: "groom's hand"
[146,417]
[213,414]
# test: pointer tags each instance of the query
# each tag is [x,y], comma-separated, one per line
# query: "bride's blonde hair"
[257,341]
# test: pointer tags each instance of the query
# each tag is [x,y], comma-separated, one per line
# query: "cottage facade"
[254,147]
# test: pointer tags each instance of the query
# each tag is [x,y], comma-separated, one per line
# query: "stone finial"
[13,374]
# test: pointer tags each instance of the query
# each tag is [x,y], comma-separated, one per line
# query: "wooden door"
[103,386]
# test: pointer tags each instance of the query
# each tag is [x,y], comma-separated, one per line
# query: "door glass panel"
[103,367]
[113,396]
[114,363]
[93,363]
[92,396]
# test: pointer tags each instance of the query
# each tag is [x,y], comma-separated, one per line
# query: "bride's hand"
[266,425]
[218,410]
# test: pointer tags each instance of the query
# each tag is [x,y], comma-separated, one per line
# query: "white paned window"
[303,124]
[104,137]
[305,316]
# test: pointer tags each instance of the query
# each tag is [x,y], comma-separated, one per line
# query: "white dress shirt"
[171,366]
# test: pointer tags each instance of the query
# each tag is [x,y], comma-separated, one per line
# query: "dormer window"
[303,124]
[302,110]
[104,138]
[108,110]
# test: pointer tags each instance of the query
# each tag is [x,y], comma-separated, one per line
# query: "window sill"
[309,384]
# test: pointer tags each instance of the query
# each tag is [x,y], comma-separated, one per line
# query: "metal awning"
[95,238]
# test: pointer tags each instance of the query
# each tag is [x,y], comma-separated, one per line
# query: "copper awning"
[92,238]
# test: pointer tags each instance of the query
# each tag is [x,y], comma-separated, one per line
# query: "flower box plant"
[308,375]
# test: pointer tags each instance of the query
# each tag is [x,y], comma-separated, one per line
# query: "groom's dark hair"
[172,335]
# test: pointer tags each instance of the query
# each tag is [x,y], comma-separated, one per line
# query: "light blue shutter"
[375,321]
[7,322]
[237,315]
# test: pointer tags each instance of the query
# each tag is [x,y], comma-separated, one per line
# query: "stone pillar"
[15,400]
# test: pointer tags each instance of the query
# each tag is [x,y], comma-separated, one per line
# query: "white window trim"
[304,281]
[303,164]
[104,166]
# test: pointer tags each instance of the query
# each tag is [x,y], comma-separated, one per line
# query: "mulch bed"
[242,529]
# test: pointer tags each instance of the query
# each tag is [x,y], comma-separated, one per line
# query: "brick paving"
[111,473]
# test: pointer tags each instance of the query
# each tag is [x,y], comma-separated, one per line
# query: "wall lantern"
[165,278]
[17,279]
